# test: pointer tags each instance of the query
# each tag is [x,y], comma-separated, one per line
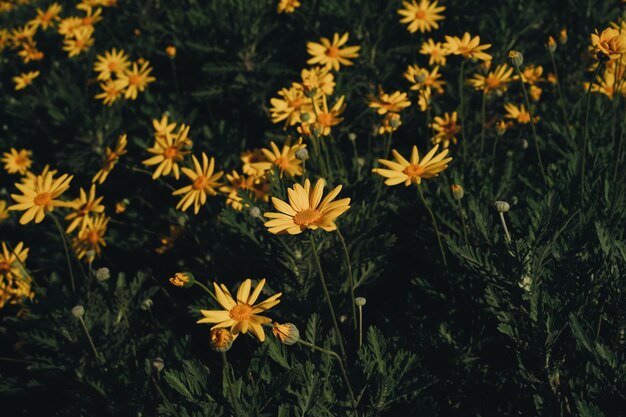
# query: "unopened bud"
[302,154]
[352,136]
[551,45]
[255,212]
[78,311]
[221,339]
[420,77]
[305,117]
[502,206]
[501,127]
[102,274]
[516,59]
[563,36]
[309,91]
[146,304]
[287,333]
[360,301]
[457,191]
[171,51]
[183,280]
[317,129]
[158,364]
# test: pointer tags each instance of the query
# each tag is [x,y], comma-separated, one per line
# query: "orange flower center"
[87,21]
[112,65]
[134,79]
[20,160]
[492,81]
[523,117]
[325,119]
[306,217]
[43,199]
[420,14]
[170,152]
[80,43]
[413,170]
[241,312]
[332,52]
[93,237]
[4,267]
[282,163]
[296,104]
[200,183]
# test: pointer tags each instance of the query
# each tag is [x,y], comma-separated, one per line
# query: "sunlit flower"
[393,102]
[520,114]
[496,80]
[467,46]
[46,19]
[330,54]
[80,42]
[284,159]
[25,79]
[30,179]
[249,159]
[446,128]
[290,106]
[4,212]
[15,282]
[531,74]
[203,181]
[112,62]
[41,197]
[136,79]
[435,51]
[422,16]
[112,156]
[17,161]
[82,208]
[241,314]
[328,118]
[169,151]
[287,6]
[30,52]
[90,240]
[112,90]
[424,79]
[306,209]
[318,79]
[608,45]
[606,85]
[412,172]
[257,186]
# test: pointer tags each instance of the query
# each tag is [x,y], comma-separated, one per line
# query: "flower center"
[112,65]
[420,14]
[93,237]
[241,312]
[200,183]
[306,217]
[282,163]
[523,117]
[325,119]
[413,170]
[296,104]
[332,52]
[4,267]
[170,152]
[43,198]
[134,79]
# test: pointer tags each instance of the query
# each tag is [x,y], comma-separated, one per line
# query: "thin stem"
[432,217]
[458,200]
[532,124]
[360,326]
[507,235]
[206,289]
[350,277]
[558,89]
[93,346]
[618,157]
[67,252]
[327,295]
[462,109]
[586,129]
[165,400]
[388,144]
[482,122]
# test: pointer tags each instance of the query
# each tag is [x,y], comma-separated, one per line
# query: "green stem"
[618,157]
[350,277]
[165,400]
[482,118]
[507,235]
[586,129]
[462,109]
[532,124]
[360,326]
[326,294]
[560,93]
[67,252]
[432,217]
[93,346]
[206,289]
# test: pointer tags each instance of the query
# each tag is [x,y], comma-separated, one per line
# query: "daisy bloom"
[496,80]
[41,197]
[424,79]
[306,209]
[328,118]
[606,85]
[4,212]
[82,207]
[422,16]
[112,62]
[112,90]
[25,79]
[30,52]
[330,54]
[435,51]
[287,6]
[136,79]
[22,35]
[91,17]
[46,19]
[11,262]
[318,79]
[520,114]
[203,182]
[69,25]
[284,159]
[168,153]
[412,172]
[608,45]
[80,42]
[163,128]
[535,92]
[112,156]
[532,74]
[17,161]
[30,179]
[241,314]
[393,102]
[249,159]
[259,187]
[446,128]
[90,240]
[290,106]
[467,46]
[391,123]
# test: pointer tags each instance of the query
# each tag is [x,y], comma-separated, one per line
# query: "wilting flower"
[422,16]
[393,103]
[17,161]
[287,6]
[446,128]
[306,209]
[608,45]
[496,80]
[330,54]
[112,156]
[285,160]
[40,197]
[90,240]
[169,151]
[240,314]
[25,79]
[467,46]
[435,51]
[82,207]
[204,181]
[183,280]
[408,172]
[113,62]
[287,333]
[136,79]
[221,339]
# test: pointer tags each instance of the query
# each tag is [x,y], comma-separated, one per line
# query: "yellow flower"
[25,79]
[168,153]
[15,283]
[306,209]
[249,158]
[331,55]
[535,92]
[606,85]
[422,16]
[532,74]
[328,118]
[168,241]
[287,333]
[435,51]
[608,45]
[22,35]
[408,172]
[80,42]
[496,80]
[423,79]
[112,156]
[90,239]
[171,51]
[520,114]
[183,280]
[290,106]
[82,207]
[446,128]
[30,52]
[163,128]
[258,186]
[111,91]
[393,102]
[91,17]
[41,197]
[136,79]
[391,123]
[468,46]
[221,339]
[287,6]
[204,182]
[240,314]
[17,161]
[285,160]
[4,212]
[30,179]
[112,62]
[69,25]
[46,19]
[318,79]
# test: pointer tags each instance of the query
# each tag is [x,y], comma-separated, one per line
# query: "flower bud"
[146,304]
[525,283]
[120,206]
[183,279]
[563,36]
[78,311]
[457,191]
[394,120]
[221,339]
[352,136]
[102,274]
[158,364]
[516,59]
[309,91]
[287,333]
[317,129]
[302,154]
[171,51]
[255,213]
[305,117]
[501,127]
[360,301]
[420,77]
[551,45]
[502,206]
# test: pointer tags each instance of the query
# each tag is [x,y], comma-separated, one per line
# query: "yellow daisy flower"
[136,79]
[290,106]
[112,156]
[46,19]
[328,118]
[163,128]
[30,52]
[17,161]
[22,35]
[306,209]
[495,80]
[606,85]
[41,197]
[15,283]
[422,16]
[608,45]
[249,158]
[90,239]
[318,79]
[80,41]
[30,179]
[112,90]
[285,160]
[331,54]
[241,314]
[287,6]
[467,46]
[424,79]
[112,62]
[259,187]
[531,74]
[446,128]
[25,79]
[82,208]
[204,182]
[10,267]
[168,153]
[393,102]
[520,114]
[412,172]
[435,51]
[69,25]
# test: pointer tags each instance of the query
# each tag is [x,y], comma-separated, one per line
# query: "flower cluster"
[121,78]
